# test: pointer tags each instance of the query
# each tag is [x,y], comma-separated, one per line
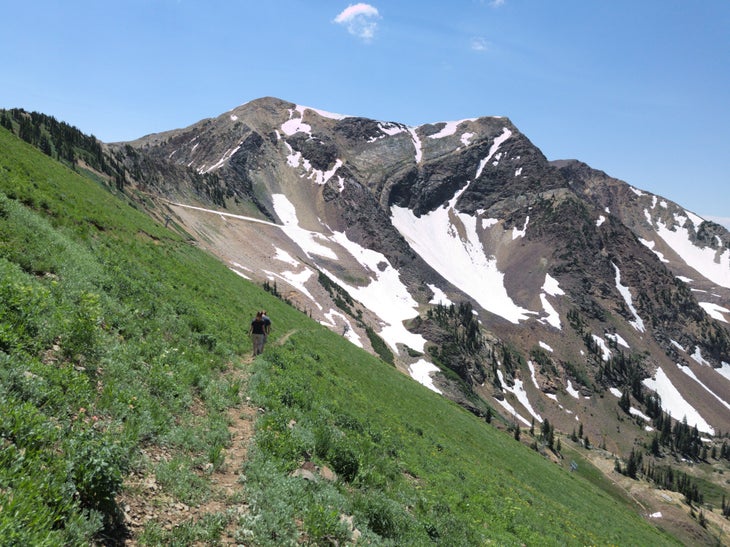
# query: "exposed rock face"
[549,254]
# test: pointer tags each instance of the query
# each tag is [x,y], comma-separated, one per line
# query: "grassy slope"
[116,334]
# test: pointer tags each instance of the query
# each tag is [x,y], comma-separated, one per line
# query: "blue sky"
[637,88]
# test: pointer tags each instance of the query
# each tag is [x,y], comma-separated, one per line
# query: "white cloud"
[360,20]
[479,44]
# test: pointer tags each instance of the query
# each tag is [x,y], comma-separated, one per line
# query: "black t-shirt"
[257,326]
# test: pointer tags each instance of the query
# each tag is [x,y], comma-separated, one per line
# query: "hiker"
[258,334]
[267,325]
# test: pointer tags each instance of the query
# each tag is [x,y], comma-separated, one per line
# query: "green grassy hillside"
[117,336]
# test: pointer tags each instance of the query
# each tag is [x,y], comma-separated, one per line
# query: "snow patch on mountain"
[296,125]
[462,261]
[439,296]
[450,128]
[296,280]
[618,340]
[283,256]
[601,343]
[310,242]
[651,245]
[421,371]
[673,402]
[553,317]
[552,288]
[715,311]
[572,391]
[506,134]
[416,144]
[324,113]
[711,263]
[521,233]
[519,392]
[348,331]
[385,295]
[295,158]
[638,322]
[226,156]
[688,372]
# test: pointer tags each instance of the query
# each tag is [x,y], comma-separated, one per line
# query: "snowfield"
[711,263]
[673,402]
[463,261]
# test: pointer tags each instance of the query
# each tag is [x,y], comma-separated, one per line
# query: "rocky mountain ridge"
[567,269]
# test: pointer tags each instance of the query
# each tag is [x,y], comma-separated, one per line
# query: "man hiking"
[257,330]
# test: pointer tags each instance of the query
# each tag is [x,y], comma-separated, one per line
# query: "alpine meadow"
[132,412]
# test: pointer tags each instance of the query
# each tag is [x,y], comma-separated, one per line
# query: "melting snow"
[307,240]
[296,280]
[571,391]
[715,311]
[636,412]
[600,220]
[544,346]
[518,171]
[520,233]
[636,191]
[450,128]
[283,256]
[604,348]
[677,345]
[386,295]
[349,332]
[619,340]
[553,317]
[506,134]
[228,154]
[421,372]
[551,287]
[712,264]
[651,245]
[691,374]
[324,113]
[674,403]
[697,356]
[466,138]
[462,261]
[616,392]
[637,323]
[519,391]
[416,144]
[531,366]
[320,177]
[390,128]
[296,125]
[439,296]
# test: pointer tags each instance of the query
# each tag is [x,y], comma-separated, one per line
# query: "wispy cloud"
[478,43]
[496,3]
[360,19]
